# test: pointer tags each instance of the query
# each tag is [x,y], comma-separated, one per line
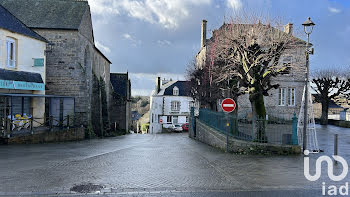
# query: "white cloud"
[103,7]
[234,4]
[146,81]
[168,13]
[127,36]
[334,10]
[141,92]
[102,47]
[133,40]
[164,42]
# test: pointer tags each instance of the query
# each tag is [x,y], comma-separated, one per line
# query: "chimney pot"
[289,28]
[203,33]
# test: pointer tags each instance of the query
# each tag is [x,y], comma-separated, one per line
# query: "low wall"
[216,139]
[72,134]
[340,123]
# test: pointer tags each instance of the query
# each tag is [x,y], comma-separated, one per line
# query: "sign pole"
[228,105]
[227,130]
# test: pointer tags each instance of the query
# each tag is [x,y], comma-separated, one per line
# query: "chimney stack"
[158,82]
[289,28]
[203,33]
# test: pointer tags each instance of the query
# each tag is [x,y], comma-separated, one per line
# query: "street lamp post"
[308,27]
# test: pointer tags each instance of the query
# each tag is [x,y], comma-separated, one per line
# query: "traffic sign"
[228,105]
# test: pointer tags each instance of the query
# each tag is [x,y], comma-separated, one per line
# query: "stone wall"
[216,139]
[69,67]
[72,134]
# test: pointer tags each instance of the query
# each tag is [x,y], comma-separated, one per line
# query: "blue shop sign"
[21,85]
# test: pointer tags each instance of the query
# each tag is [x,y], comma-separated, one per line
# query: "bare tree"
[250,51]
[329,85]
[202,90]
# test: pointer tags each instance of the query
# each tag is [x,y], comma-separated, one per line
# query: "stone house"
[72,60]
[282,102]
[120,106]
[170,104]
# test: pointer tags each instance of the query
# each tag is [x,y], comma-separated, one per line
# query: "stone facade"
[71,64]
[73,134]
[120,105]
[295,79]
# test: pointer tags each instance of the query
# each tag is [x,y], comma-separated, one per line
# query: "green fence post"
[295,130]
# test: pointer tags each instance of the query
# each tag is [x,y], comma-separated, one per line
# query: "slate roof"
[332,104]
[20,76]
[184,88]
[48,14]
[119,83]
[98,50]
[11,23]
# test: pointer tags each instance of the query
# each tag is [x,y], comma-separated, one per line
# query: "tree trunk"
[324,116]
[259,117]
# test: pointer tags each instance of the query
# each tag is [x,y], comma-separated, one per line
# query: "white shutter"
[11,53]
[8,49]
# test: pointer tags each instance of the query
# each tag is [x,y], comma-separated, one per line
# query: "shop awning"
[20,80]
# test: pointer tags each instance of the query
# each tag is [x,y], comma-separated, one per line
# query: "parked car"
[185,127]
[176,128]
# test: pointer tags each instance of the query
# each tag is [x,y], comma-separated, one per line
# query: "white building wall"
[160,109]
[156,106]
[26,49]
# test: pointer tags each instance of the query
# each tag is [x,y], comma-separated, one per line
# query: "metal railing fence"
[272,130]
[10,126]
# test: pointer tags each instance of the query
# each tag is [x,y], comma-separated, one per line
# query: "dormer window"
[176,91]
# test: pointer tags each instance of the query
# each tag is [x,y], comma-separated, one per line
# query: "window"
[291,96]
[175,106]
[168,119]
[175,91]
[38,62]
[287,62]
[286,97]
[282,97]
[175,120]
[11,53]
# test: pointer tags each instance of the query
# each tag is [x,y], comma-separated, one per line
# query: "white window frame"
[176,91]
[169,119]
[282,96]
[291,96]
[288,60]
[175,105]
[286,96]
[175,118]
[10,63]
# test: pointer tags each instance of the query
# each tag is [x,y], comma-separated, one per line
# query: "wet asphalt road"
[158,165]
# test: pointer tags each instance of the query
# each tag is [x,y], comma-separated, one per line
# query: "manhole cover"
[86,188]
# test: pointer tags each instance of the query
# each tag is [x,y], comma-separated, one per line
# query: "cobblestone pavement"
[158,165]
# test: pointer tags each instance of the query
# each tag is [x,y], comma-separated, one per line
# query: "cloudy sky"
[150,38]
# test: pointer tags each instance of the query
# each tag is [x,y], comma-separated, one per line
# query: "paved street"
[158,165]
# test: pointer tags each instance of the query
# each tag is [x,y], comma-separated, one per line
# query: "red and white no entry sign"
[228,105]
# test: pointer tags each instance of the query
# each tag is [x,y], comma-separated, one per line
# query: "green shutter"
[38,61]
